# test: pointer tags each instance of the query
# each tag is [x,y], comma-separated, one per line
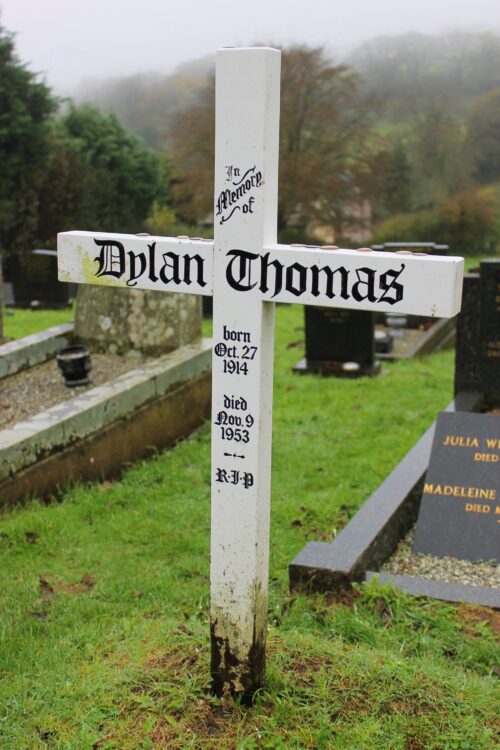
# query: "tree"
[395,182]
[98,176]
[26,105]
[324,153]
[440,159]
[483,137]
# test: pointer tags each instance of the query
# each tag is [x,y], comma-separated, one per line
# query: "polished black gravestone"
[467,343]
[477,360]
[339,342]
[490,330]
[460,508]
[31,277]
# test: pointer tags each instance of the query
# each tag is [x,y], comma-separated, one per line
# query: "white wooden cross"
[247,272]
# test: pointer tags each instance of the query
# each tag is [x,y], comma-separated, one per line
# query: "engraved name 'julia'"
[467,441]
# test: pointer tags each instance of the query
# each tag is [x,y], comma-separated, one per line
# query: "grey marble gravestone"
[120,321]
[460,510]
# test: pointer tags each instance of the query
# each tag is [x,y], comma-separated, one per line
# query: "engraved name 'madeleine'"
[472,493]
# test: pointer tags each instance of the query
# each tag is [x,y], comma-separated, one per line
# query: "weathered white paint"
[431,285]
[136,261]
[247,132]
[242,268]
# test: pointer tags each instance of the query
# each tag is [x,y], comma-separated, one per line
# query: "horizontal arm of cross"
[411,283]
[363,279]
[170,264]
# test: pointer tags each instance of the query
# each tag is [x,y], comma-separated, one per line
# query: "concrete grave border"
[33,350]
[440,335]
[357,553]
[95,433]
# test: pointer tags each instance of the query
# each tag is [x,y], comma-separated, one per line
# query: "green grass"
[104,597]
[18,322]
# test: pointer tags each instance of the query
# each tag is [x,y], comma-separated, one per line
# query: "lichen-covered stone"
[120,321]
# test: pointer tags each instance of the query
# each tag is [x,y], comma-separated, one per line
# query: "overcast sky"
[74,40]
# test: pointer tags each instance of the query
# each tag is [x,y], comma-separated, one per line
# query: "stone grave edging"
[371,536]
[53,430]
[440,336]
[33,350]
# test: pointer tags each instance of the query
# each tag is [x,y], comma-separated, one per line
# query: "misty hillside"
[402,70]
[147,103]
[401,73]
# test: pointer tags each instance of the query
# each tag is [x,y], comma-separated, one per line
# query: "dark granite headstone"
[339,342]
[460,509]
[467,344]
[33,276]
[490,331]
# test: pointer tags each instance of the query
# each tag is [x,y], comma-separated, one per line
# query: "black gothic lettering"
[239,275]
[301,272]
[199,269]
[278,274]
[152,270]
[368,282]
[170,262]
[111,259]
[330,277]
[136,273]
[386,287]
[228,198]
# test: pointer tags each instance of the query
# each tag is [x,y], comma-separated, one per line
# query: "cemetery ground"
[104,595]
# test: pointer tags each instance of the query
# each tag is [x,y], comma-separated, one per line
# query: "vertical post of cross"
[245,218]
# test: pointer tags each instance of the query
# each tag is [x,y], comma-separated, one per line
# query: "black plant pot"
[74,363]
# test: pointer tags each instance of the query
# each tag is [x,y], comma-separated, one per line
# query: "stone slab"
[52,430]
[440,336]
[33,350]
[374,532]
[448,592]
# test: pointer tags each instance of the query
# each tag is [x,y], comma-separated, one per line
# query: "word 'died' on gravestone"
[339,342]
[247,272]
[460,510]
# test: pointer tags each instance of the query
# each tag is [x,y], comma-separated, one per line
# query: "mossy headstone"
[121,321]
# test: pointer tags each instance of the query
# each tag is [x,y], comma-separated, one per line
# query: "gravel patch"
[34,390]
[407,563]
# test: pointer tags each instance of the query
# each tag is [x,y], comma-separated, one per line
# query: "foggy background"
[70,41]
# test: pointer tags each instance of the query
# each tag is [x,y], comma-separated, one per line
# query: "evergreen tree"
[26,105]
